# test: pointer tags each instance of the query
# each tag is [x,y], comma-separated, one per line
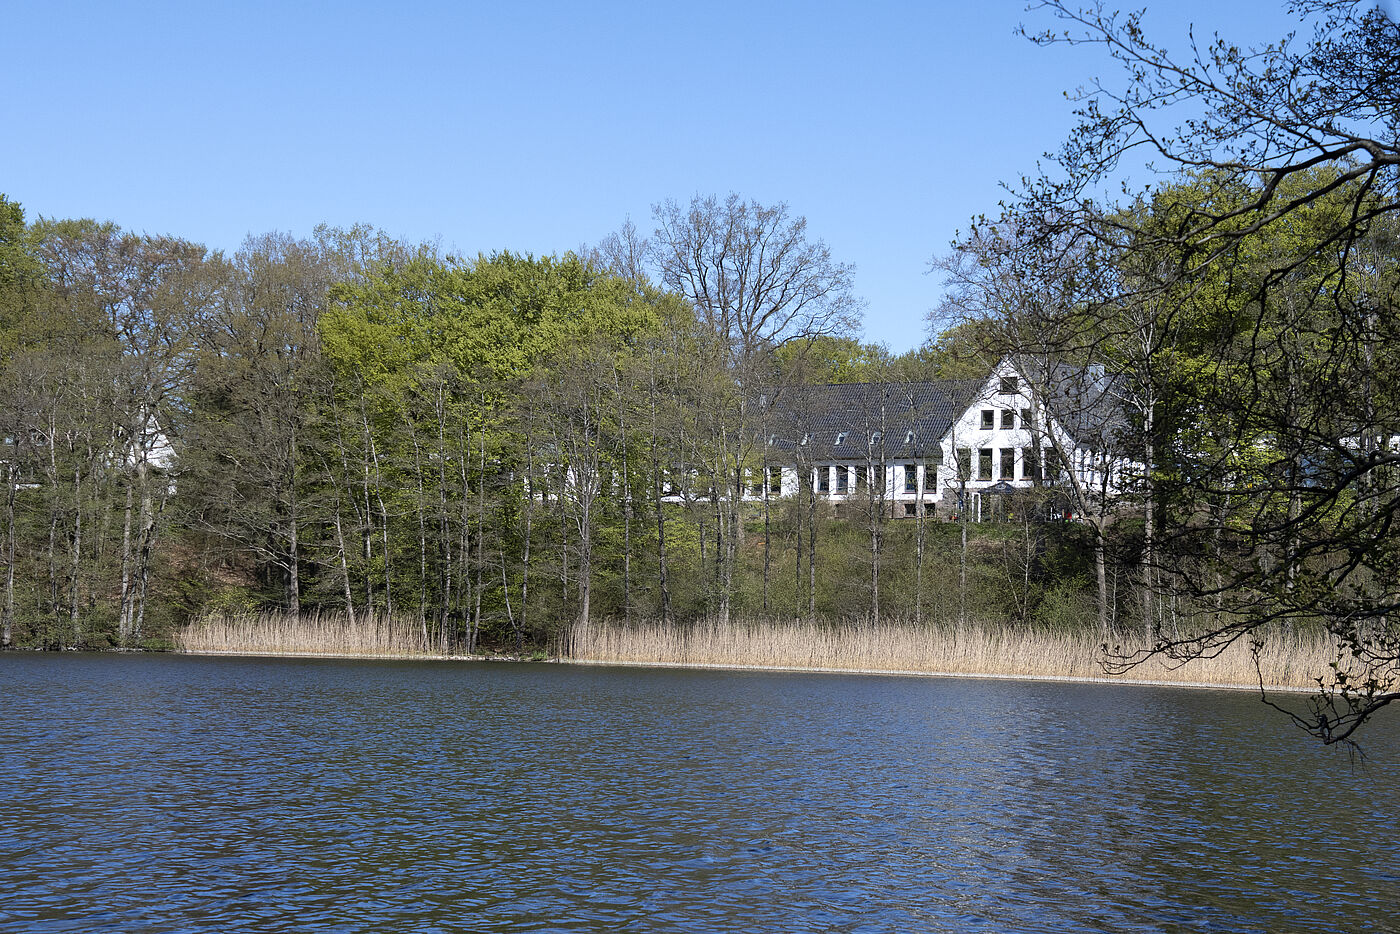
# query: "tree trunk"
[658,494]
[344,566]
[812,554]
[7,613]
[626,493]
[767,535]
[964,507]
[919,545]
[75,559]
[293,539]
[124,608]
[1101,576]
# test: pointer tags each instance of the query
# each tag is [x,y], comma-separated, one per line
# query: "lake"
[175,793]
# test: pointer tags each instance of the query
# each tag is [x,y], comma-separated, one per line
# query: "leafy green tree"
[1271,265]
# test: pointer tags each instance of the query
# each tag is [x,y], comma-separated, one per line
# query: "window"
[1008,385]
[1008,418]
[910,509]
[755,484]
[1025,418]
[807,438]
[1030,464]
[964,463]
[860,476]
[909,437]
[772,440]
[1048,464]
[984,463]
[911,478]
[1008,463]
[931,476]
[843,480]
[775,479]
[841,438]
[823,479]
[876,438]
[877,478]
[989,418]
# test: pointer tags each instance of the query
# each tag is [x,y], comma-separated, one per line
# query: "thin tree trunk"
[663,576]
[626,493]
[964,507]
[919,544]
[529,530]
[1149,527]
[124,601]
[383,510]
[75,554]
[7,614]
[422,538]
[812,554]
[293,539]
[150,516]
[344,566]
[1101,576]
[480,535]
[797,511]
[767,534]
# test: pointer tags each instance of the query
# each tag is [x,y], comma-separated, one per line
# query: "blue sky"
[540,127]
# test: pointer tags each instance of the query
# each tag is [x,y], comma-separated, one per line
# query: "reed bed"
[1287,660]
[306,634]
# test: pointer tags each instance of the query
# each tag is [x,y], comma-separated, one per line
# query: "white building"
[937,447]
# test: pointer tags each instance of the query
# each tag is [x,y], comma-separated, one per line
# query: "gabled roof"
[839,420]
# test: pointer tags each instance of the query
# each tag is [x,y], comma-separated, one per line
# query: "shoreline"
[717,666]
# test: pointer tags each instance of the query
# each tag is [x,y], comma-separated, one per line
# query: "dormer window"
[841,438]
[909,437]
[772,440]
[876,438]
[807,438]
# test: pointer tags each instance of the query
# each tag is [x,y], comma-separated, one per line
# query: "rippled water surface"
[185,794]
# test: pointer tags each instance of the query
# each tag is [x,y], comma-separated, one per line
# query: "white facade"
[996,443]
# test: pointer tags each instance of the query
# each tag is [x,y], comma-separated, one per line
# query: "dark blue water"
[145,794]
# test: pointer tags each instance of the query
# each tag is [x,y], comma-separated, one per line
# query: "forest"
[348,423]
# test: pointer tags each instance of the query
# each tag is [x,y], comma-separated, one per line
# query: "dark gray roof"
[1086,402]
[912,417]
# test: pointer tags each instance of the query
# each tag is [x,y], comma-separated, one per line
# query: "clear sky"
[542,126]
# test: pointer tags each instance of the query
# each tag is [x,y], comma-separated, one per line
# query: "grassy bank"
[1287,660]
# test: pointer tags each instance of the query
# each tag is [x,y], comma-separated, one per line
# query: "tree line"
[494,447]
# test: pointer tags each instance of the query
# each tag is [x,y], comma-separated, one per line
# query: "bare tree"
[756,282]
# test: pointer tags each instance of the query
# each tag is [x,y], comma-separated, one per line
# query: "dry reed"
[306,634]
[1287,660]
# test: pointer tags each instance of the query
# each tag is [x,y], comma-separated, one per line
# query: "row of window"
[1008,418]
[992,464]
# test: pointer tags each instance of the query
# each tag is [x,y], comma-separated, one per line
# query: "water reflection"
[182,794]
